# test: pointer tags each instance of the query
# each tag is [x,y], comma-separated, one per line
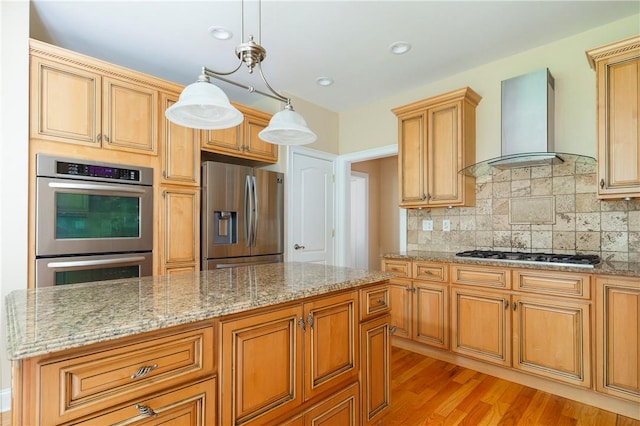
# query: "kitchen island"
[267,344]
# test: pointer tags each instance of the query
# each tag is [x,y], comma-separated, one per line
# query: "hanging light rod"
[203,105]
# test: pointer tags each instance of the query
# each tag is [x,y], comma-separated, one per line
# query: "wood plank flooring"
[426,391]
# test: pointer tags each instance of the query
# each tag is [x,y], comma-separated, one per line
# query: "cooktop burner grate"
[585,260]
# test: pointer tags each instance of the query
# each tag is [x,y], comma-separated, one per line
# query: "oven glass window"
[96,216]
[99,274]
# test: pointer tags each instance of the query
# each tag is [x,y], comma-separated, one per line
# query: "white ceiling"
[347,40]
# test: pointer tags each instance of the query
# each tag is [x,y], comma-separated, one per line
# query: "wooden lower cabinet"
[339,410]
[190,406]
[481,325]
[375,350]
[264,376]
[617,338]
[179,228]
[551,338]
[431,313]
[400,299]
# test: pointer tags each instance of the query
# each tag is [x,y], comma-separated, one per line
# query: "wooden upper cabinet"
[81,100]
[242,141]
[65,103]
[617,67]
[180,149]
[436,139]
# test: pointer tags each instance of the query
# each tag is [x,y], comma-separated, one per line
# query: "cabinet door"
[179,234]
[617,339]
[180,149]
[65,103]
[255,147]
[224,141]
[443,141]
[130,116]
[551,338]
[375,379]
[191,406]
[618,85]
[400,299]
[481,325]
[431,313]
[331,343]
[261,365]
[412,159]
[340,410]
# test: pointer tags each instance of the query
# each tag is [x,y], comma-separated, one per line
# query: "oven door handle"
[73,264]
[95,187]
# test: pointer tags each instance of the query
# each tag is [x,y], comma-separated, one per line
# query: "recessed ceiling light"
[400,47]
[220,33]
[324,81]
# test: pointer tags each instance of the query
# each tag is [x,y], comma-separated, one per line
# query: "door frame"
[313,153]
[343,201]
[364,179]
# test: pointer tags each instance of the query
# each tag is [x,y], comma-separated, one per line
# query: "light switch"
[446,225]
[427,225]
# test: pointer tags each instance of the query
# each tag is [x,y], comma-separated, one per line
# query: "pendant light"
[202,105]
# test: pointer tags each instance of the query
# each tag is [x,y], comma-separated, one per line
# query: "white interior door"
[359,220]
[311,212]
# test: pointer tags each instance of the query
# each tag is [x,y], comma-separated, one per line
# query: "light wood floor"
[426,391]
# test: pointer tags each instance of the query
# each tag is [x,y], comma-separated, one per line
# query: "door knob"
[298,247]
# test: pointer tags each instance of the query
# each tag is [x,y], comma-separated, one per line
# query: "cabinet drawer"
[485,276]
[430,271]
[400,268]
[84,385]
[374,301]
[194,405]
[562,283]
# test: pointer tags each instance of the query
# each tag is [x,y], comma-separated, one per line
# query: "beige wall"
[14,81]
[374,125]
[383,206]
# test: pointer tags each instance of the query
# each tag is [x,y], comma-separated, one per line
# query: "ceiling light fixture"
[324,81]
[400,47]
[202,105]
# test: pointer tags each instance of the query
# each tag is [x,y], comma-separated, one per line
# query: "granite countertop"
[604,268]
[50,319]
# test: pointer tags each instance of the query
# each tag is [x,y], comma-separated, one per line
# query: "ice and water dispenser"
[225,227]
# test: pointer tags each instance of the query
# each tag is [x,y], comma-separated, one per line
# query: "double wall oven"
[94,221]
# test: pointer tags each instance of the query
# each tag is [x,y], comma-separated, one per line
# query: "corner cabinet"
[617,67]
[436,139]
[242,141]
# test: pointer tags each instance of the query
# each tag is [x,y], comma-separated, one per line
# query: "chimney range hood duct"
[527,126]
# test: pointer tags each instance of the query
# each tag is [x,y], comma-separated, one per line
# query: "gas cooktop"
[582,260]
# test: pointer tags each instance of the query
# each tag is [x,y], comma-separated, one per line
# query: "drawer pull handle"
[301,324]
[143,371]
[145,410]
[381,302]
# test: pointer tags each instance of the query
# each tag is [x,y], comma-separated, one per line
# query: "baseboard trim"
[5,400]
[583,396]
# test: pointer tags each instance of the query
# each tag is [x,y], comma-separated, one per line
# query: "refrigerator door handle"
[254,232]
[248,212]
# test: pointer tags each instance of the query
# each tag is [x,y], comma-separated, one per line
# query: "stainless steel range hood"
[528,109]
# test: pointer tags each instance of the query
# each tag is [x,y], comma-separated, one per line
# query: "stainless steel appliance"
[94,221]
[583,260]
[242,215]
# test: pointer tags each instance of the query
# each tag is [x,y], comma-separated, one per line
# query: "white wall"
[14,125]
[374,125]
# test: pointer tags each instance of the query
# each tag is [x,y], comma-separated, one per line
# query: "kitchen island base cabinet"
[274,362]
[339,410]
[191,406]
[376,343]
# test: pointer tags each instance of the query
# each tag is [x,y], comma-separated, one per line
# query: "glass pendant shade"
[287,127]
[203,105]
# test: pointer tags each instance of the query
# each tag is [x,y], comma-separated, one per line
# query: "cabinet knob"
[515,305]
[301,324]
[310,320]
[145,410]
[381,302]
[506,304]
[393,329]
[106,138]
[601,183]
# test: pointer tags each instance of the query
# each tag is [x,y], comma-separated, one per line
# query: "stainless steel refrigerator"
[242,215]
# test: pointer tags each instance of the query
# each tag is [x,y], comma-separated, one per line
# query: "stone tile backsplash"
[574,220]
